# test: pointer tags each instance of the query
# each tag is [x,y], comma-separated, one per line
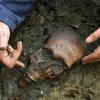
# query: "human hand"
[95,56]
[10,56]
[4,35]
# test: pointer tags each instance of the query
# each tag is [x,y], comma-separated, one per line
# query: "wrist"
[4,35]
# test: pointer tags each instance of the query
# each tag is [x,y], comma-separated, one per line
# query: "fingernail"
[23,66]
[88,40]
[83,61]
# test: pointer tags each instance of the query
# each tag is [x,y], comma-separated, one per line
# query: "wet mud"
[80,82]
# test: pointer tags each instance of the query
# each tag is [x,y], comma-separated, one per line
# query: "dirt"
[81,82]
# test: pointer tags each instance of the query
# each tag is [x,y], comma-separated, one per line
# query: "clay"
[66,45]
[40,69]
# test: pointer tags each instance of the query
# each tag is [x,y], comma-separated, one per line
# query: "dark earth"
[81,82]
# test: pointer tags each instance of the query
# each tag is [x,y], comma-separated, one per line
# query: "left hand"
[95,56]
[10,56]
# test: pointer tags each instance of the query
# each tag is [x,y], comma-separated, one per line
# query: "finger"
[94,36]
[10,49]
[97,50]
[8,61]
[94,60]
[19,63]
[19,47]
[90,58]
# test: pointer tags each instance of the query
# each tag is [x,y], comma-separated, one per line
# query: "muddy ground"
[81,82]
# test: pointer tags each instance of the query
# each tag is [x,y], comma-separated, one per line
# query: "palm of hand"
[10,56]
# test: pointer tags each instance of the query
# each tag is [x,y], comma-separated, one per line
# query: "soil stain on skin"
[81,82]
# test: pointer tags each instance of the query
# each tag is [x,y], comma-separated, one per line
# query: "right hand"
[95,56]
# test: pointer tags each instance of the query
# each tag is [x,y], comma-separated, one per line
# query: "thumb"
[94,36]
